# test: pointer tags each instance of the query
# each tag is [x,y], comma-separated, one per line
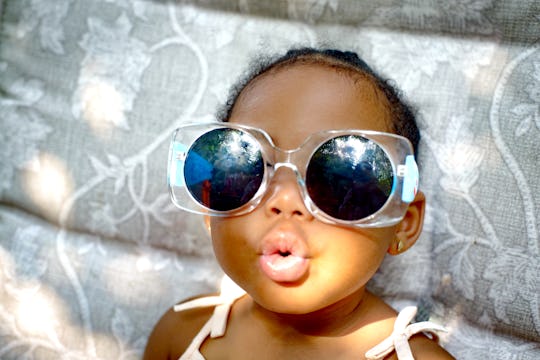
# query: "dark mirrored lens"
[349,177]
[224,169]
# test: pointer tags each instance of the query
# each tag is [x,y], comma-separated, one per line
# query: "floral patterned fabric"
[92,251]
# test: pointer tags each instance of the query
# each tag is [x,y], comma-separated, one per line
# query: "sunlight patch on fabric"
[103,108]
[49,184]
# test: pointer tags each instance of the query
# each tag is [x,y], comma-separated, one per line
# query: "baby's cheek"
[230,246]
[355,258]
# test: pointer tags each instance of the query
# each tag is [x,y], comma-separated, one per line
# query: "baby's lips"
[280,268]
[283,257]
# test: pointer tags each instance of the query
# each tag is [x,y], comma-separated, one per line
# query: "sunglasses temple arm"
[411,176]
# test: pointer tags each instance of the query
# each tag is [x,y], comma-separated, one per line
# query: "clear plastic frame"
[383,150]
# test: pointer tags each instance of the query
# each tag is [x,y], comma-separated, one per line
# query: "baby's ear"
[409,229]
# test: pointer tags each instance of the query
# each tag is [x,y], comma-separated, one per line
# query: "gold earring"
[400,246]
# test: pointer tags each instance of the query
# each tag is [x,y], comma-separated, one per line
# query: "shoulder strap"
[193,350]
[403,330]
[217,324]
[230,292]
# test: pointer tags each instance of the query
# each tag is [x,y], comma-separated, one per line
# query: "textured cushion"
[92,250]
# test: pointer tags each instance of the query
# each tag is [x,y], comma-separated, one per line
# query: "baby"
[306,183]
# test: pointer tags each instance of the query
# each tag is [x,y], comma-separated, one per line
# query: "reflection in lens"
[349,177]
[224,169]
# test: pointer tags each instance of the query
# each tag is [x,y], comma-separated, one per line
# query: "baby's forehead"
[346,80]
[306,99]
[282,73]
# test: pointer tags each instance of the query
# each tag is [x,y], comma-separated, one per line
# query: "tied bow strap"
[217,324]
[403,330]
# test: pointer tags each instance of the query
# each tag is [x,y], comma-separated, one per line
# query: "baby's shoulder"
[423,347]
[174,332]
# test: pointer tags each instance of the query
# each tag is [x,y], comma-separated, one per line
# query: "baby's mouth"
[283,257]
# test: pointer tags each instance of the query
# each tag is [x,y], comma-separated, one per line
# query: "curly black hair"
[402,114]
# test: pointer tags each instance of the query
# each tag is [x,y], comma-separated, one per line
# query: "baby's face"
[287,260]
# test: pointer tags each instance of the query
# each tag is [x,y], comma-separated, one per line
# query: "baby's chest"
[266,347]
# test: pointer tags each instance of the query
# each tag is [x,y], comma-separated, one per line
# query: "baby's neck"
[339,319]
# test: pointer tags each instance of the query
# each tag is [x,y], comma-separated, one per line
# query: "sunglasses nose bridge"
[288,159]
[285,159]
[285,194]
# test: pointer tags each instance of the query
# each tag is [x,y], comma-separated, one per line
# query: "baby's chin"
[288,299]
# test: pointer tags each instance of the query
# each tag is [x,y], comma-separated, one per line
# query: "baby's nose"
[284,198]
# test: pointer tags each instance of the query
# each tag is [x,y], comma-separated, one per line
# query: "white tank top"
[230,292]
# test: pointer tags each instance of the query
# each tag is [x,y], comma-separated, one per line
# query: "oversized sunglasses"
[348,177]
